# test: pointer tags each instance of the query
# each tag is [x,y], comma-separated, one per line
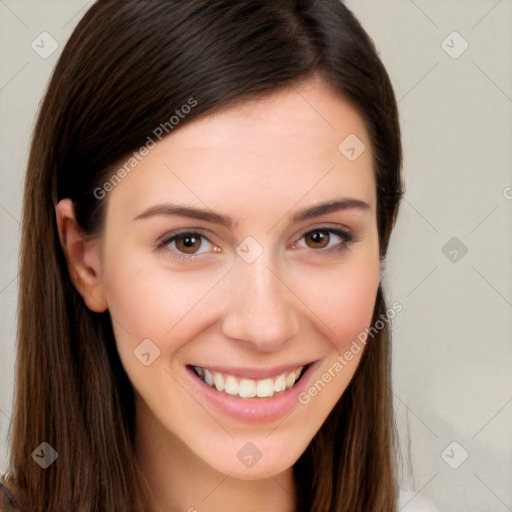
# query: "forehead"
[312,112]
[288,147]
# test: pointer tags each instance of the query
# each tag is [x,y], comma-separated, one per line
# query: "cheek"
[356,304]
[146,301]
[344,300]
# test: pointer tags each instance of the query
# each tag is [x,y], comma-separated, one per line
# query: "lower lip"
[261,410]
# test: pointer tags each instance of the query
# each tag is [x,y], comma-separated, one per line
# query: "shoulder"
[8,502]
[410,501]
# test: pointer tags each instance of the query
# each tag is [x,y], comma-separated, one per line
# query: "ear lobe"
[83,257]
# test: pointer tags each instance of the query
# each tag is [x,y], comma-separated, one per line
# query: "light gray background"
[452,350]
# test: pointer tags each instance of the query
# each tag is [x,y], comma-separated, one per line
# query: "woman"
[211,188]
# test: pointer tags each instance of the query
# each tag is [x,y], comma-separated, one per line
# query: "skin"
[258,164]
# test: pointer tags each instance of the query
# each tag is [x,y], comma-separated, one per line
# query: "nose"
[262,307]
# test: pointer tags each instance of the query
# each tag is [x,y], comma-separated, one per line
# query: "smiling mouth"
[250,388]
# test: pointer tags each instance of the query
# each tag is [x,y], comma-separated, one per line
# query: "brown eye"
[317,239]
[188,243]
[326,240]
[186,246]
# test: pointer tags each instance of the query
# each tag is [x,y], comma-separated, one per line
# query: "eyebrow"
[217,218]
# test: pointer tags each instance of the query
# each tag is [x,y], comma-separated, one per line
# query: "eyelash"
[346,237]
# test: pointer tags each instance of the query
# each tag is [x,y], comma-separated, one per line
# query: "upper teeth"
[248,388]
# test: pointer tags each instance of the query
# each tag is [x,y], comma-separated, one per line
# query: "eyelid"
[181,231]
[327,227]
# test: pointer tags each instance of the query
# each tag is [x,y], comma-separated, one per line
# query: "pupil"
[187,243]
[318,237]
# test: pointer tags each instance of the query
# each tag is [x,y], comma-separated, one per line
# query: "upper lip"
[253,372]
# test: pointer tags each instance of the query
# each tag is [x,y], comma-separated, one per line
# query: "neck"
[180,481]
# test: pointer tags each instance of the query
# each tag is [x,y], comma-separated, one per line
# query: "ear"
[83,257]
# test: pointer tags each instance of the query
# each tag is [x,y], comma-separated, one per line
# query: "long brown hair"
[127,67]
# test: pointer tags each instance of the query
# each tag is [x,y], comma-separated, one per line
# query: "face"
[239,261]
